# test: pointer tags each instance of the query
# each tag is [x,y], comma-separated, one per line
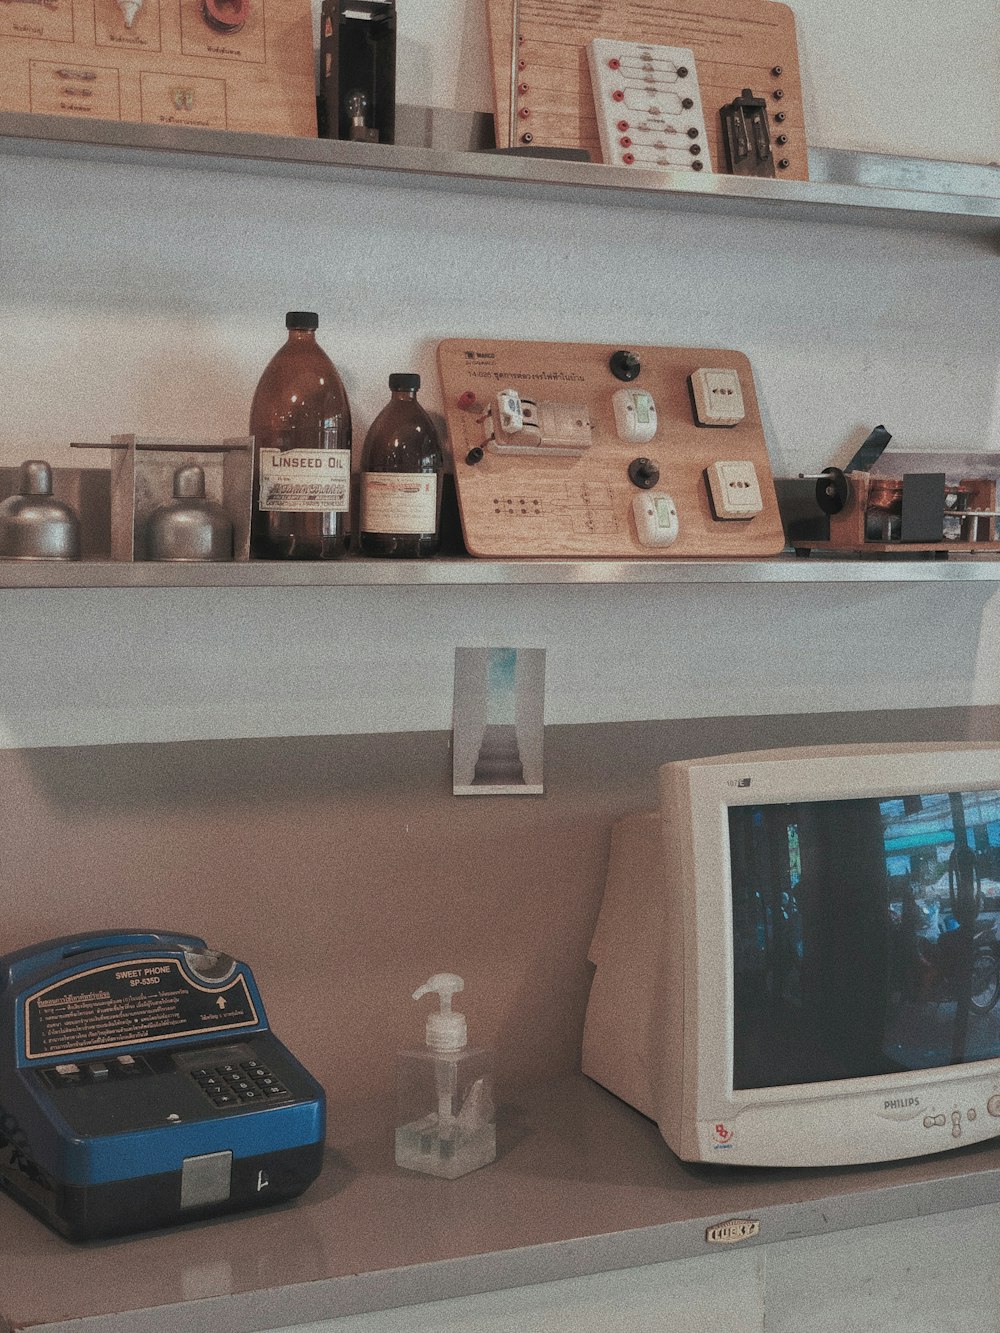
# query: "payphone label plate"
[128,1003]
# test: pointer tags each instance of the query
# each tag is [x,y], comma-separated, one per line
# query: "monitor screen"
[866,936]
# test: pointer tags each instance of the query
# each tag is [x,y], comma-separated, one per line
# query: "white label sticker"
[305,481]
[399,503]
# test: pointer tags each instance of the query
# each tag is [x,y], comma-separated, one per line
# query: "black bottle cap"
[404,382]
[302,319]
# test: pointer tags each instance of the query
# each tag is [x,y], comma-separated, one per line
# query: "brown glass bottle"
[401,467]
[301,423]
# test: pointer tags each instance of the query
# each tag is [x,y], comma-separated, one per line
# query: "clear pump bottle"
[446,1121]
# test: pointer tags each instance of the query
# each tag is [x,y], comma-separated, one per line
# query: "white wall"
[150,299]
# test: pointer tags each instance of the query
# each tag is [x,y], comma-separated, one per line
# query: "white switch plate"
[655,517]
[635,415]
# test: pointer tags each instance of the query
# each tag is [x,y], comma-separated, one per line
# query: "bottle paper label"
[399,503]
[305,481]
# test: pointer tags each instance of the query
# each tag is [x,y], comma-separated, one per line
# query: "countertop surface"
[582,1183]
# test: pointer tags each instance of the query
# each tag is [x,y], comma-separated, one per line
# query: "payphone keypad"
[238,1083]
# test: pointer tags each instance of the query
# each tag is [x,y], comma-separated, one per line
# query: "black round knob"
[682,71]
[697,166]
[644,473]
[695,149]
[687,103]
[625,365]
[779,117]
[783,163]
[782,139]
[778,94]
[776,71]
[833,490]
[474,456]
[692,133]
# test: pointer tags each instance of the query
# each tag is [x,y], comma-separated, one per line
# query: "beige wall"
[344,871]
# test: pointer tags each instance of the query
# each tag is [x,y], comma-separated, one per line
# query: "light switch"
[635,415]
[655,517]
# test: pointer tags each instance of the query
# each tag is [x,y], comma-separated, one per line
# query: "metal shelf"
[359,571]
[859,188]
[586,1185]
[866,189]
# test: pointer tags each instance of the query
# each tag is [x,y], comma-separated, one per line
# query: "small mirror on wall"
[498,722]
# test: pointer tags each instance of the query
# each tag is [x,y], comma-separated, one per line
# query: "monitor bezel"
[697,796]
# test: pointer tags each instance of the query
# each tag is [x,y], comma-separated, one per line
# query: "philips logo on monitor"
[900,1108]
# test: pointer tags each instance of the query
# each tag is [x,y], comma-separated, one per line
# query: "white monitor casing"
[659,1025]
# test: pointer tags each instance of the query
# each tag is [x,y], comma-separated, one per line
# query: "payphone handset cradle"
[140,1085]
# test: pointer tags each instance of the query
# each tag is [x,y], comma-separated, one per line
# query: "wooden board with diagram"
[216,64]
[575,450]
[737,44]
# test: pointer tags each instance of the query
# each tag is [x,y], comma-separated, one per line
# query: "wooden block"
[167,67]
[517,505]
[737,44]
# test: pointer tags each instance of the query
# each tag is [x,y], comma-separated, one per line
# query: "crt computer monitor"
[797,959]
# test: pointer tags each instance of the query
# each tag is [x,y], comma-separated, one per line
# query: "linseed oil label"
[305,481]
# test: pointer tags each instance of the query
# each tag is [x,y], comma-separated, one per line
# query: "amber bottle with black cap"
[401,467]
[301,423]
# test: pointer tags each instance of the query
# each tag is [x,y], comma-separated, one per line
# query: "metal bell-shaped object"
[189,527]
[34,525]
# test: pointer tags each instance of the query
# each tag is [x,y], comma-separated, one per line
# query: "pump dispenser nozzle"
[446,1030]
[447,1122]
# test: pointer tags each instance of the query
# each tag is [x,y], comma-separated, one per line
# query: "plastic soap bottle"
[446,1122]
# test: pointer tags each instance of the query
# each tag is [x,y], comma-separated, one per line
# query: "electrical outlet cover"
[718,398]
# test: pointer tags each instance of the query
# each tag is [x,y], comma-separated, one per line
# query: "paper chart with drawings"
[649,111]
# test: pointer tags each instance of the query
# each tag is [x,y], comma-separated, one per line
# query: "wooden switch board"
[563,487]
[162,62]
[737,44]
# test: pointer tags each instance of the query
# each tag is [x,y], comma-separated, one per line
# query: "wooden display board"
[168,66]
[737,44]
[578,504]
